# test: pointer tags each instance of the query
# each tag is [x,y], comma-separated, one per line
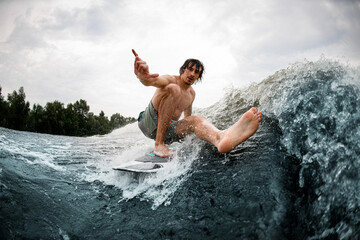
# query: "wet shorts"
[148,121]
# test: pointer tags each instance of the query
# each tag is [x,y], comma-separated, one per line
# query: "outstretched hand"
[141,69]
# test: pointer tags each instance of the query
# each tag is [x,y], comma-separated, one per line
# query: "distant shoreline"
[73,120]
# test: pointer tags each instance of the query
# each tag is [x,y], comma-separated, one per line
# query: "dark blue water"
[296,178]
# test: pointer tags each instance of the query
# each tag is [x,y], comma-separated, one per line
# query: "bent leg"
[166,110]
[224,140]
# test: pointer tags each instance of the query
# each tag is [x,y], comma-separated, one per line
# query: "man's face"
[191,74]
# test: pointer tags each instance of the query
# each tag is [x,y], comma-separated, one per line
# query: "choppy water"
[296,178]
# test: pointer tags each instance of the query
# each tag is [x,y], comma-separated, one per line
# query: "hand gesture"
[141,69]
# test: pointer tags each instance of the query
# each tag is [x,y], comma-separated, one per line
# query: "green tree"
[117,121]
[92,124]
[55,113]
[82,110]
[38,120]
[3,110]
[18,111]
[71,121]
[74,120]
[104,124]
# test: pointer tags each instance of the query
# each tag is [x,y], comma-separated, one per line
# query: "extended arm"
[141,70]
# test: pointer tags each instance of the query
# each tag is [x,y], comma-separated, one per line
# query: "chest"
[186,100]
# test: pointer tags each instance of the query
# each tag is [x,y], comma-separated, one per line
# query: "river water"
[298,177]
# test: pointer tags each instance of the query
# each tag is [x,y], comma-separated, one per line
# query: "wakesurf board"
[149,163]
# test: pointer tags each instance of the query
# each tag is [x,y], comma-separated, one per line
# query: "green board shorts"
[148,121]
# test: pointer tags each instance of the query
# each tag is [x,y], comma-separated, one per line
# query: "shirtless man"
[174,95]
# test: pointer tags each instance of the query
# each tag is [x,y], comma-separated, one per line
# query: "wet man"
[173,96]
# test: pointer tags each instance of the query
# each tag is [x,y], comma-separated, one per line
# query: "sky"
[69,50]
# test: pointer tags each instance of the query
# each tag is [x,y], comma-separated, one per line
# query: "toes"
[254,110]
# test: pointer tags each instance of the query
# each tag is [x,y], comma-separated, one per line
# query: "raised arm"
[141,70]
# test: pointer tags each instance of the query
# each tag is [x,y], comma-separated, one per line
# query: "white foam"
[29,151]
[158,187]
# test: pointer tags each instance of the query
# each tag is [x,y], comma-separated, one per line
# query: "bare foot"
[162,151]
[240,131]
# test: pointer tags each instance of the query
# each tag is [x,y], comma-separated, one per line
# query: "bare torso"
[172,104]
[185,104]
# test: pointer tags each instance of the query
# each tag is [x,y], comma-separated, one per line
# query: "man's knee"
[188,124]
[173,89]
[193,120]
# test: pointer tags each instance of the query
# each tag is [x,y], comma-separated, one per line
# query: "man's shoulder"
[172,77]
[167,79]
[176,78]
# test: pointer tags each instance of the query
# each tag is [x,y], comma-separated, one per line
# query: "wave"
[302,166]
[317,108]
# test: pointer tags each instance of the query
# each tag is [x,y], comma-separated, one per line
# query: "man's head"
[193,64]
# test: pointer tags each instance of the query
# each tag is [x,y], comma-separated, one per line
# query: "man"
[174,95]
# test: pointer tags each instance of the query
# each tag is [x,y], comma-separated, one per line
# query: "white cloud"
[66,50]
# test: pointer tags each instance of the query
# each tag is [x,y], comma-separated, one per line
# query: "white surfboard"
[149,163]
[140,168]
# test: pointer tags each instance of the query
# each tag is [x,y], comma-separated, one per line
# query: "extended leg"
[225,140]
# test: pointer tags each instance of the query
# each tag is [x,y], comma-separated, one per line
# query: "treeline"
[54,118]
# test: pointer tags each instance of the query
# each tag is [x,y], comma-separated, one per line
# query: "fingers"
[135,54]
[138,63]
[141,67]
[137,58]
[154,75]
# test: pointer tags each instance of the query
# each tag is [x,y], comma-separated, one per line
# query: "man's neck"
[183,85]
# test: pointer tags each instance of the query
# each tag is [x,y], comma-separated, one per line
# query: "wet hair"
[190,63]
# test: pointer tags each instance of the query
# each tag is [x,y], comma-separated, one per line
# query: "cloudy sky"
[68,50]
